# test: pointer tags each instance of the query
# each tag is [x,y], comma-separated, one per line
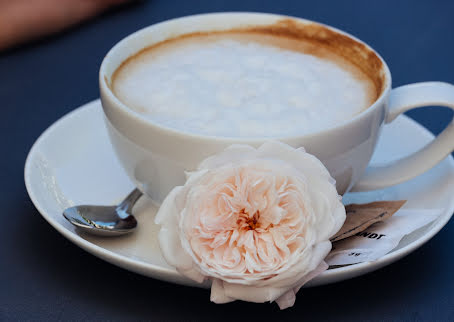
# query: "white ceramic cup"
[156,157]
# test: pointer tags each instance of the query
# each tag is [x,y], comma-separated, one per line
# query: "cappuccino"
[243,84]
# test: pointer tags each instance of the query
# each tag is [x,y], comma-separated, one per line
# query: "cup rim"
[148,122]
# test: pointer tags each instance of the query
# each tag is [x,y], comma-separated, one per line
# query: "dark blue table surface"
[45,277]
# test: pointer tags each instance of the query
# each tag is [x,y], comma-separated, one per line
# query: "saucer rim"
[171,275]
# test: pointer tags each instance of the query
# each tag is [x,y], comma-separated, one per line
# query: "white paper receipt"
[380,238]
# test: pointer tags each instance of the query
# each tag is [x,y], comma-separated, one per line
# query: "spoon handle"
[130,200]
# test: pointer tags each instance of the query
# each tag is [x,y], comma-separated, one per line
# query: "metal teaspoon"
[105,220]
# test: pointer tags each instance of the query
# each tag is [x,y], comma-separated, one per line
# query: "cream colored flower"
[257,222]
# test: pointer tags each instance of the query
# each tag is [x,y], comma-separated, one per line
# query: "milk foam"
[233,88]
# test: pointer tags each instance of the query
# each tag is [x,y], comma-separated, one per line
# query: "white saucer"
[72,162]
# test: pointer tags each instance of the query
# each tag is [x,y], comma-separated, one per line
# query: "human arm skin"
[25,20]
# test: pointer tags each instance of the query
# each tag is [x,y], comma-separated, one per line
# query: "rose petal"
[168,237]
[288,299]
[306,162]
[218,293]
[304,266]
[252,293]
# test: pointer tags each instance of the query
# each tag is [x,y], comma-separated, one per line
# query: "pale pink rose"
[257,222]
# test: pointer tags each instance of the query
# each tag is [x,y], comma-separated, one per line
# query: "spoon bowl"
[105,220]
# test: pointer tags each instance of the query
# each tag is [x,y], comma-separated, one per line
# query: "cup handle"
[402,99]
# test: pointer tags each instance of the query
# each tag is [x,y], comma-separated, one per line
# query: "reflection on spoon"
[105,220]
